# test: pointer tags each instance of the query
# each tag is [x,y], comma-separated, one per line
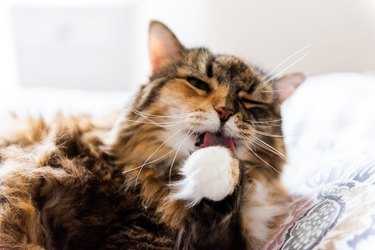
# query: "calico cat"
[193,164]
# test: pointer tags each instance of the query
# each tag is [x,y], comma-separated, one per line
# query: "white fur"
[258,210]
[207,174]
[112,136]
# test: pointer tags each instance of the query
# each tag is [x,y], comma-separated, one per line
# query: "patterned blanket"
[330,134]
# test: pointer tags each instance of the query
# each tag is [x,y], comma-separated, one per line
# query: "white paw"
[210,173]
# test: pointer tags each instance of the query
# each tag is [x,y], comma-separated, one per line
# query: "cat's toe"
[210,173]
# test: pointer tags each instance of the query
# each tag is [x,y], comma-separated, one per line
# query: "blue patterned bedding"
[338,215]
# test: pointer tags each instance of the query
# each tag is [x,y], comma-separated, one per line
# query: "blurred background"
[102,45]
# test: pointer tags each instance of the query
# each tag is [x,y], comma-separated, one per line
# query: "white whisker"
[265,145]
[284,61]
[153,153]
[161,145]
[158,116]
[141,166]
[260,158]
[288,67]
[159,124]
[269,121]
[267,134]
[188,134]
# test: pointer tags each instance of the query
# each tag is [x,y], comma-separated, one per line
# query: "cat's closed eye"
[258,113]
[199,84]
[250,103]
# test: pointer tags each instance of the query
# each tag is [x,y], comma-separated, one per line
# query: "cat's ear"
[164,47]
[286,85]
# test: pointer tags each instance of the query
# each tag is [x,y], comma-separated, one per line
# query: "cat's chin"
[208,139]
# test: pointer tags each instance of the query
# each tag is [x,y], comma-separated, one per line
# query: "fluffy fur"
[144,182]
[210,173]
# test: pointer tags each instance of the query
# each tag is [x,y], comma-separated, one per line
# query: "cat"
[194,163]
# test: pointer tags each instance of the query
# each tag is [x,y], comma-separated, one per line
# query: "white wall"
[94,45]
[8,72]
[102,44]
[89,48]
[341,32]
[187,18]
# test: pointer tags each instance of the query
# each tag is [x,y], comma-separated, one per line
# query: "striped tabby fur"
[74,184]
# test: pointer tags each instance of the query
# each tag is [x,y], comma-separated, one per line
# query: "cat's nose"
[224,113]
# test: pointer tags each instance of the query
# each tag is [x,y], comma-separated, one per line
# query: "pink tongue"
[214,140]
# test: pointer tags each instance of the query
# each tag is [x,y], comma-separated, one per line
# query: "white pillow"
[329,122]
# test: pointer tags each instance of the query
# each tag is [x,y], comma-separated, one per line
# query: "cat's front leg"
[211,189]
[210,173]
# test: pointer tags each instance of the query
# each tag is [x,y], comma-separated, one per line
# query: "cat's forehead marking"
[234,72]
[209,67]
[220,69]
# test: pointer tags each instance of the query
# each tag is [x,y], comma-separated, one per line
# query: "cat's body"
[193,164]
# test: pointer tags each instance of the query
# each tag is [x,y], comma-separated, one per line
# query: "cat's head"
[200,99]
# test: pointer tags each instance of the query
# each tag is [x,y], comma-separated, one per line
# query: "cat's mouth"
[208,139]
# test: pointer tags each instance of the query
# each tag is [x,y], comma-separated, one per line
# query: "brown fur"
[64,186]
